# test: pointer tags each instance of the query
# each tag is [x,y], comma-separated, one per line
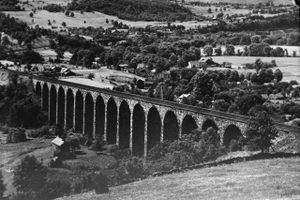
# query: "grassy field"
[12,154]
[94,19]
[263,179]
[288,65]
[203,10]
[276,2]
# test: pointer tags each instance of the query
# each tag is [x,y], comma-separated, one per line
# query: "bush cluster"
[190,149]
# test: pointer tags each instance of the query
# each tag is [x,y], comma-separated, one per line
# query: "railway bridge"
[132,121]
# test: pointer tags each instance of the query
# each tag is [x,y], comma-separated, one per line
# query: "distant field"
[263,179]
[288,65]
[276,2]
[95,19]
[203,10]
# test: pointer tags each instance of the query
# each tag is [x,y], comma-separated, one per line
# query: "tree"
[229,50]
[260,131]
[203,85]
[5,41]
[208,50]
[247,101]
[278,75]
[256,39]
[64,24]
[67,13]
[209,10]
[72,14]
[220,15]
[2,186]
[218,51]
[31,14]
[30,175]
[31,57]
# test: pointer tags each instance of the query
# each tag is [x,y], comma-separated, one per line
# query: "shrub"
[30,175]
[161,166]
[55,189]
[98,144]
[29,195]
[2,186]
[82,183]
[134,167]
[233,146]
[122,153]
[44,131]
[180,158]
[100,183]
[16,135]
[119,176]
[158,151]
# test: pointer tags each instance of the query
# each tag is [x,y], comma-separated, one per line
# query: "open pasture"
[93,19]
[288,65]
[276,2]
[262,179]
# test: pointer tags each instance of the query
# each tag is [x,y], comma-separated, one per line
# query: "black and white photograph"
[149,100]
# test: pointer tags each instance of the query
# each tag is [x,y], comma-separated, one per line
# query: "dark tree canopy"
[260,131]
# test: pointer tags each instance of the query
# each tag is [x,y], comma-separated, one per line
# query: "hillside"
[154,10]
[262,179]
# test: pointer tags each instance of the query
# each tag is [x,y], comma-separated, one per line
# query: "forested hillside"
[154,10]
[6,5]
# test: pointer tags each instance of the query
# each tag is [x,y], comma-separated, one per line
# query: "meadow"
[276,2]
[261,179]
[288,65]
[93,19]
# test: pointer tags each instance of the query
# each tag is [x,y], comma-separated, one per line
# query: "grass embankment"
[12,154]
[261,179]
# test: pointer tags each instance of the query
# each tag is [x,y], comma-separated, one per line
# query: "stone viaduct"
[131,121]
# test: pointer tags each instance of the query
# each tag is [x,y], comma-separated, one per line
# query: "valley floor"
[261,179]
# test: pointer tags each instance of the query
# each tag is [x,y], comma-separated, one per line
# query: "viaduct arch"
[128,120]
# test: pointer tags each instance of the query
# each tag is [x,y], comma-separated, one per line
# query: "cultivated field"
[263,179]
[288,65]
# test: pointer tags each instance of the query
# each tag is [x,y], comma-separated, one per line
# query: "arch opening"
[232,135]
[70,109]
[154,128]
[61,107]
[100,116]
[171,128]
[45,97]
[124,125]
[209,123]
[38,89]
[53,105]
[79,111]
[138,129]
[89,115]
[112,114]
[188,124]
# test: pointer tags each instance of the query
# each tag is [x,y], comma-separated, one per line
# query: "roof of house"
[58,141]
